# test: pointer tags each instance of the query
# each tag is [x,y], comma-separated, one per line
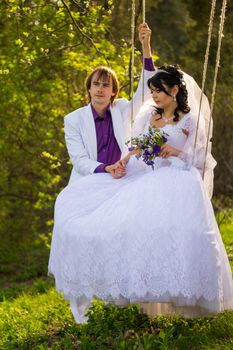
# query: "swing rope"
[143,58]
[205,66]
[217,64]
[133,16]
[132,58]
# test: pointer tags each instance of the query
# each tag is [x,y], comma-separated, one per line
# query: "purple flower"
[149,152]
[149,145]
[156,150]
[164,139]
[149,162]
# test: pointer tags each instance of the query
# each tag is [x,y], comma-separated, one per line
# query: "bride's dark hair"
[165,78]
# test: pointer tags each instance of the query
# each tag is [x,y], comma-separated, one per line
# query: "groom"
[95,134]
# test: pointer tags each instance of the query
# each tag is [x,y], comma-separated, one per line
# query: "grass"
[39,318]
[34,316]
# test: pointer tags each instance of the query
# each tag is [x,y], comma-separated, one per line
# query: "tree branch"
[80,30]
[15,195]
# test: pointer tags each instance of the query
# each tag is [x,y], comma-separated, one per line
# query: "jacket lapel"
[90,133]
[118,127]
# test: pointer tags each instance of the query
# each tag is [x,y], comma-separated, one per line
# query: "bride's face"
[162,99]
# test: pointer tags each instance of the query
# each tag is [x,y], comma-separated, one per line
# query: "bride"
[151,237]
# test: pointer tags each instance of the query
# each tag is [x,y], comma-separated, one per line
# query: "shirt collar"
[95,114]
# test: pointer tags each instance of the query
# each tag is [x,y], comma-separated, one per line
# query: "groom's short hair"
[106,74]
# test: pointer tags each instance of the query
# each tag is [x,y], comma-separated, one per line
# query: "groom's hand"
[120,170]
[117,170]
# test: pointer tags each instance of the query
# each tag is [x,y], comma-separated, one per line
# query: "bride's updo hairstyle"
[166,78]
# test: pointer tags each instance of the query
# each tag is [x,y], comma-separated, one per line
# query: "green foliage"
[47,50]
[224,216]
[22,262]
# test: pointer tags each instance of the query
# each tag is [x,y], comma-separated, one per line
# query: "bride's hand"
[135,151]
[145,37]
[131,153]
[124,161]
[168,151]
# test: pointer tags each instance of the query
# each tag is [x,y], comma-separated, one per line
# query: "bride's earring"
[174,98]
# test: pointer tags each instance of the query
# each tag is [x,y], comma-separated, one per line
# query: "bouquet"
[147,146]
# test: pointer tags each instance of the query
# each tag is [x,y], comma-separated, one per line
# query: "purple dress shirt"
[108,150]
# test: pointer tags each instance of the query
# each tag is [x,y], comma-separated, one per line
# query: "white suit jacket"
[80,132]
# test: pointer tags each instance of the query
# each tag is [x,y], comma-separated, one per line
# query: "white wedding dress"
[148,237]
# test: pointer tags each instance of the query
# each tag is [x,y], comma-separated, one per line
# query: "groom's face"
[101,90]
